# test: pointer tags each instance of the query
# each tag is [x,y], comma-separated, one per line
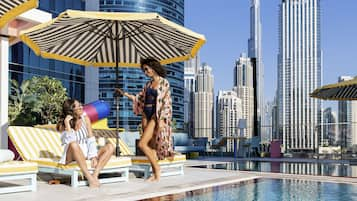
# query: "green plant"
[37,101]
[22,104]
[51,94]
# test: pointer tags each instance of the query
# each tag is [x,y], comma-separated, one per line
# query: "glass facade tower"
[24,64]
[132,79]
[255,51]
[299,73]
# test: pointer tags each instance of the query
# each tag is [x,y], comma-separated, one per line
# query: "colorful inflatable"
[97,110]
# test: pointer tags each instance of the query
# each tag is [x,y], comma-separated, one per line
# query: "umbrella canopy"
[108,39]
[9,9]
[346,90]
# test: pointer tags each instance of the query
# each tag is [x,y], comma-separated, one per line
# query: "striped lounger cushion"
[108,133]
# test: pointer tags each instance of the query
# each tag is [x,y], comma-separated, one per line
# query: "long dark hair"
[67,109]
[154,64]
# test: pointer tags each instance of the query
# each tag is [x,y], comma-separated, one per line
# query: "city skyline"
[227,32]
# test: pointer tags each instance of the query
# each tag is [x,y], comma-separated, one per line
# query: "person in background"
[79,141]
[155,105]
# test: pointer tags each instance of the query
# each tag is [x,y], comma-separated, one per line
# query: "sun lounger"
[18,170]
[168,167]
[102,131]
[43,145]
[140,163]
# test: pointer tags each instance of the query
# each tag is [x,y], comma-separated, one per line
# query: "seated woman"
[79,141]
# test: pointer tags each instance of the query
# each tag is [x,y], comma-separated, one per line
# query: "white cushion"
[6,155]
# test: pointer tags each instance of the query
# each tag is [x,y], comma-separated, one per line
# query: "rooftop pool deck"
[138,189]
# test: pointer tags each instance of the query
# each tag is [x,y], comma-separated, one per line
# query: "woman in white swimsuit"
[79,141]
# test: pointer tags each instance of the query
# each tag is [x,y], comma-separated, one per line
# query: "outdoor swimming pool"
[271,189]
[305,168]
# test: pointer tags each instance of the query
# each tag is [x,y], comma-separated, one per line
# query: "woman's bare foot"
[153,178]
[156,174]
[93,183]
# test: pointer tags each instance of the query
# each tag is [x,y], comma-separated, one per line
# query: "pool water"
[270,190]
[304,168]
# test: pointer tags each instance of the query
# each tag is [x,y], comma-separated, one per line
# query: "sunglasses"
[146,69]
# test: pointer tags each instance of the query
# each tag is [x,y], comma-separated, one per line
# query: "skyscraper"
[132,80]
[347,117]
[243,86]
[267,128]
[255,51]
[191,68]
[275,120]
[299,73]
[203,103]
[329,135]
[228,114]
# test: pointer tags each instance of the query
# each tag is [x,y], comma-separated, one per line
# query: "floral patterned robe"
[162,137]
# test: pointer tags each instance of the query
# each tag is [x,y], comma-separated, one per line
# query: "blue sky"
[225,25]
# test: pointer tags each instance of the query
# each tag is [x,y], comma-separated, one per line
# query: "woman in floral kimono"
[155,105]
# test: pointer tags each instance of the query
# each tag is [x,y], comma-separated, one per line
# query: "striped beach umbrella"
[9,9]
[346,90]
[108,39]
[112,39]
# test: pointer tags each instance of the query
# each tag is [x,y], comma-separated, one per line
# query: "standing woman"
[79,141]
[155,105]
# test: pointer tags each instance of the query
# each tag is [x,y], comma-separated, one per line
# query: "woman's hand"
[119,92]
[67,122]
[123,93]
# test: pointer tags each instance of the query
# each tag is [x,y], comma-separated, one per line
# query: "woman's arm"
[131,97]
[123,93]
[89,126]
[67,135]
[67,124]
[138,100]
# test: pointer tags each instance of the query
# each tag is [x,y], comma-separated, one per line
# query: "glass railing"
[319,141]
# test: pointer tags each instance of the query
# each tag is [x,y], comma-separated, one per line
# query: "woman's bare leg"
[149,153]
[74,153]
[104,155]
[144,123]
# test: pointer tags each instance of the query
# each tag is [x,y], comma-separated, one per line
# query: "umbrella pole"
[117,150]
